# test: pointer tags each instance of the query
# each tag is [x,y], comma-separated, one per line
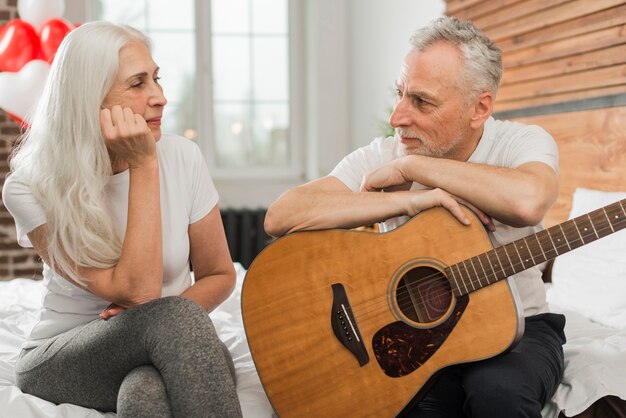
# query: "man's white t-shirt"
[503,144]
[187,195]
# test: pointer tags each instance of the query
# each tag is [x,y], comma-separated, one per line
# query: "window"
[227,69]
[173,42]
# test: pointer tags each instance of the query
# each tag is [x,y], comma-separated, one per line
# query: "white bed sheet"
[595,363]
[19,302]
[595,359]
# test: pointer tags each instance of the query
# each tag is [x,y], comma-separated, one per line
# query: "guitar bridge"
[344,325]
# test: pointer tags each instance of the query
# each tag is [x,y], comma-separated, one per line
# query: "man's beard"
[425,148]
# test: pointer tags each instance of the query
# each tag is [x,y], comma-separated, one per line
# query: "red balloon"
[51,34]
[19,44]
[19,120]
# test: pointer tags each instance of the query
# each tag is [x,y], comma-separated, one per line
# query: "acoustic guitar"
[343,323]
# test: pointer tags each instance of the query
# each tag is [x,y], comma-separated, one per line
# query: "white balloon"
[37,12]
[20,91]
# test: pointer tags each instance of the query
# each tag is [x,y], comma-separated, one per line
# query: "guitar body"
[333,332]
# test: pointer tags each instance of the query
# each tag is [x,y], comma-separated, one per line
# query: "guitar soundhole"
[424,294]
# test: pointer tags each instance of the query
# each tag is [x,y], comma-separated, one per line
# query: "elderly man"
[448,150]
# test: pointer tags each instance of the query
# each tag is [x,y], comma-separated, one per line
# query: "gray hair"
[63,156]
[482,58]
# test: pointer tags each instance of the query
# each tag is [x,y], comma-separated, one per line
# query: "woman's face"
[137,86]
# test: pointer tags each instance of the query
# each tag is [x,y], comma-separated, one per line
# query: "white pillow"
[592,279]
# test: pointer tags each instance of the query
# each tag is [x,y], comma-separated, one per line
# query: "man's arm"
[516,197]
[328,203]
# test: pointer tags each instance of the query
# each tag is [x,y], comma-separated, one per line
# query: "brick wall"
[14,260]
[8,10]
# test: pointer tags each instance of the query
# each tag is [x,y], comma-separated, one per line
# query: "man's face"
[432,113]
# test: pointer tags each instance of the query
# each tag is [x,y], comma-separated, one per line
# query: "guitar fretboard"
[489,267]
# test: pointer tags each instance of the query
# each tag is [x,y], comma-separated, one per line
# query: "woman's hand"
[111,310]
[127,136]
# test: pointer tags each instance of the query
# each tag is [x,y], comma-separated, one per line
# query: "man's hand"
[420,200]
[388,177]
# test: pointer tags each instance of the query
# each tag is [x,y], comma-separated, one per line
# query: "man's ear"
[483,108]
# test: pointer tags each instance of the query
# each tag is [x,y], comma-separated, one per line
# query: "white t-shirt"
[503,144]
[187,195]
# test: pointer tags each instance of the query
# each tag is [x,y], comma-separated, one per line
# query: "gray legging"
[159,359]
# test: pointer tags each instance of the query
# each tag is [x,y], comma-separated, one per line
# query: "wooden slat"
[581,62]
[565,47]
[584,24]
[586,80]
[453,6]
[483,8]
[592,147]
[515,12]
[558,98]
[549,17]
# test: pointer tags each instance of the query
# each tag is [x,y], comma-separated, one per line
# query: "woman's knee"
[176,311]
[143,393]
[181,322]
[176,307]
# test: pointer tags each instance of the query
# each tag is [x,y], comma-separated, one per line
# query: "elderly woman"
[117,210]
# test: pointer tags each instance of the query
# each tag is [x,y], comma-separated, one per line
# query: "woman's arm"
[138,275]
[212,266]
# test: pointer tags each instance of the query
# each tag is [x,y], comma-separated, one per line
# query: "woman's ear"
[483,108]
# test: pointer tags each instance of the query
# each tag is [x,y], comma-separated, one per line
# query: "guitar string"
[406,297]
[567,229]
[443,293]
[533,248]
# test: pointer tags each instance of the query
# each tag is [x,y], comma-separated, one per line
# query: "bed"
[19,302]
[595,357]
[587,285]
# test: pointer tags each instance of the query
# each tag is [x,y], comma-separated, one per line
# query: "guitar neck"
[497,264]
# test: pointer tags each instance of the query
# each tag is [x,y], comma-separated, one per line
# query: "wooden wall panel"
[592,153]
[585,24]
[508,17]
[553,50]
[531,103]
[478,8]
[604,57]
[584,80]
[544,18]
[563,48]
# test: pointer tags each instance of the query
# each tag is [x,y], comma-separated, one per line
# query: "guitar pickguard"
[400,349]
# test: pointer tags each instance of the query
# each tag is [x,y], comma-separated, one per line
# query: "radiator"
[244,233]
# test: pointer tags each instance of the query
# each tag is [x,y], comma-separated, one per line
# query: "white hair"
[482,57]
[63,156]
